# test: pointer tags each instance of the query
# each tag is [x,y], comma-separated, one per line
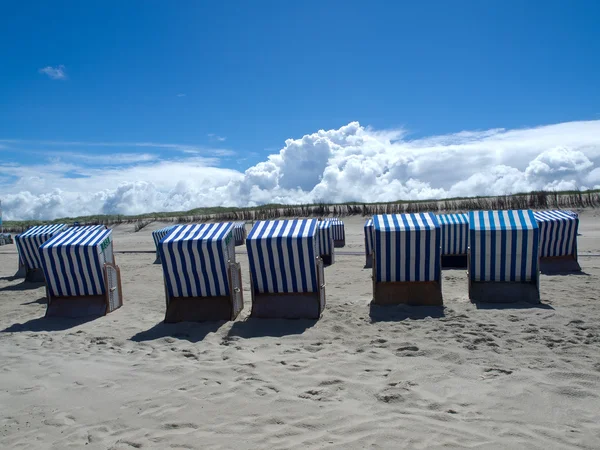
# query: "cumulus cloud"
[351,163]
[56,73]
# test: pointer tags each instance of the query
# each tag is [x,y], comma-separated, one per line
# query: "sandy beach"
[461,376]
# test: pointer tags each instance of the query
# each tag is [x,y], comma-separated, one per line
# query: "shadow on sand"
[254,327]
[10,278]
[563,273]
[39,301]
[514,305]
[189,331]
[48,324]
[24,286]
[397,313]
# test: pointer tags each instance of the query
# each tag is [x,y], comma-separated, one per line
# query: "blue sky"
[231,81]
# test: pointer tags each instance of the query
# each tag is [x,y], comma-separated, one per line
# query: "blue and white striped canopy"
[73,262]
[239,232]
[78,228]
[369,237]
[558,232]
[194,259]
[407,247]
[282,256]
[157,235]
[325,238]
[504,245]
[28,243]
[455,233]
[337,226]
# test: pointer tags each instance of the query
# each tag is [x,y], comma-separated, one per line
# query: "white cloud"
[56,73]
[181,95]
[24,145]
[352,163]
[214,137]
[112,159]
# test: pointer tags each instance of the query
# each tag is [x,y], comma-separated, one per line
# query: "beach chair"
[239,233]
[406,260]
[21,270]
[339,233]
[326,246]
[202,279]
[454,230]
[78,228]
[558,241]
[503,256]
[157,235]
[286,273]
[368,228]
[82,278]
[28,244]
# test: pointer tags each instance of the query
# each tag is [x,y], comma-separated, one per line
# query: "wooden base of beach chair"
[339,243]
[286,306]
[415,293]
[77,306]
[454,261]
[200,309]
[327,259]
[90,305]
[503,292]
[20,272]
[35,276]
[559,264]
[295,305]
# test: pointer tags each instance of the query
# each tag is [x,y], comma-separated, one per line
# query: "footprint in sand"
[179,426]
[496,372]
[125,444]
[60,420]
[408,350]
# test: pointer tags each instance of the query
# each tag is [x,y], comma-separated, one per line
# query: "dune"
[459,376]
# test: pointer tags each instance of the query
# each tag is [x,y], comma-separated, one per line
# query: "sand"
[461,376]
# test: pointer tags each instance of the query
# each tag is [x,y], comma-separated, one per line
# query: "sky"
[140,106]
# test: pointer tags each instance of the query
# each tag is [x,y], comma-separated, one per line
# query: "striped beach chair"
[157,235]
[454,239]
[77,228]
[21,271]
[28,244]
[202,279]
[558,240]
[326,247]
[503,256]
[406,259]
[82,278]
[368,228]
[573,213]
[339,233]
[239,233]
[286,272]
